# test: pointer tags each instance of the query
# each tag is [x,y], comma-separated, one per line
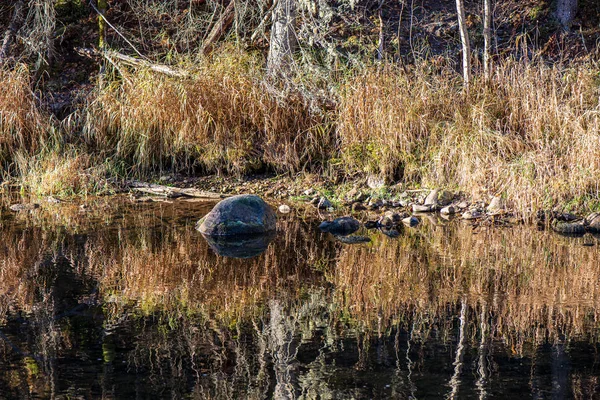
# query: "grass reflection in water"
[121,300]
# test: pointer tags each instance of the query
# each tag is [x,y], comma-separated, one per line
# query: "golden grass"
[222,119]
[531,134]
[67,173]
[23,126]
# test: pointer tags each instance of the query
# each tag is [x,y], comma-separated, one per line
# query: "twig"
[117,31]
[263,21]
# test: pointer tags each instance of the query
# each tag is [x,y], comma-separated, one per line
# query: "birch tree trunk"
[565,12]
[487,38]
[283,37]
[464,38]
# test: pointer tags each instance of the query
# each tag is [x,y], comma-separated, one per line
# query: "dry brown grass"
[23,126]
[65,173]
[531,134]
[222,119]
[534,285]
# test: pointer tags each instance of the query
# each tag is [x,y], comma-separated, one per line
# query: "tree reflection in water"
[129,300]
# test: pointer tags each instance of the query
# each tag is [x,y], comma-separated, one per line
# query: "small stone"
[418,208]
[52,200]
[324,204]
[411,221]
[309,192]
[284,209]
[472,214]
[496,206]
[375,182]
[448,210]
[462,205]
[432,198]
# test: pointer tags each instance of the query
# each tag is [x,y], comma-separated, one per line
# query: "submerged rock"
[392,233]
[418,208]
[569,228]
[472,214]
[390,219]
[371,224]
[448,210]
[411,221]
[340,226]
[239,215]
[352,239]
[24,206]
[245,246]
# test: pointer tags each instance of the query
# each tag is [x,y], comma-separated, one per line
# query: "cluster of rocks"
[414,203]
[569,224]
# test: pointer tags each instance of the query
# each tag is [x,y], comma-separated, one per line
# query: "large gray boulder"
[239,215]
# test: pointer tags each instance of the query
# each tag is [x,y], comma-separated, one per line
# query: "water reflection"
[246,246]
[125,300]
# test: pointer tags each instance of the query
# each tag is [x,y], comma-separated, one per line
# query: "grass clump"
[223,118]
[23,126]
[530,134]
[69,173]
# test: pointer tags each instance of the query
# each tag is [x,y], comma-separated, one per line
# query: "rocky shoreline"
[387,208]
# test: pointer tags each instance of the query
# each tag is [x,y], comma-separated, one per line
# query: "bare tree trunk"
[283,37]
[464,38]
[487,38]
[15,23]
[565,12]
[102,6]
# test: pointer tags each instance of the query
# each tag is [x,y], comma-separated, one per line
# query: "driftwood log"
[172,192]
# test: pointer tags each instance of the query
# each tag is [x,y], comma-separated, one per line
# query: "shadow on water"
[123,300]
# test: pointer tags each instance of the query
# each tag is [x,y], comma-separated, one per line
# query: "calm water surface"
[121,300]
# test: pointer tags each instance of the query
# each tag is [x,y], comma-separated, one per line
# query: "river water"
[121,300]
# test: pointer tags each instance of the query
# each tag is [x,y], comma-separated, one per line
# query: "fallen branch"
[172,192]
[13,27]
[219,28]
[113,57]
[264,21]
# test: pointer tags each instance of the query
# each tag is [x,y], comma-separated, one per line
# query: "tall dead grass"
[531,134]
[23,126]
[222,119]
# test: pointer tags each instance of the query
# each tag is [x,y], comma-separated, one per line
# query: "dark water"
[121,300]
